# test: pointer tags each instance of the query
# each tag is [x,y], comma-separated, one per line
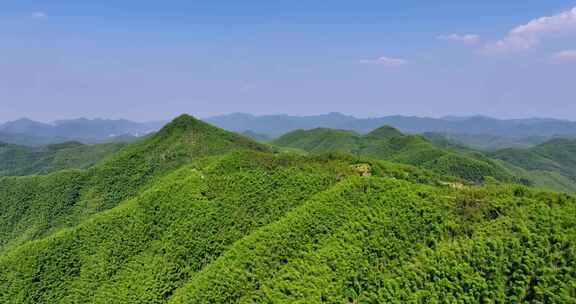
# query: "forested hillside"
[485,142]
[555,155]
[22,160]
[554,162]
[390,144]
[195,214]
[35,206]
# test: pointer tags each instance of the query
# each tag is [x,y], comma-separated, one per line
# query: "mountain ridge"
[480,131]
[276,125]
[388,143]
[197,214]
[81,193]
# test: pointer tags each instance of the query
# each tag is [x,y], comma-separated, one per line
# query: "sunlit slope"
[196,214]
[377,240]
[390,144]
[252,227]
[20,160]
[144,249]
[35,206]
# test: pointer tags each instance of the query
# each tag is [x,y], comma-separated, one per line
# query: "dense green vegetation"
[195,214]
[377,240]
[389,144]
[38,205]
[553,161]
[21,160]
[555,155]
[485,142]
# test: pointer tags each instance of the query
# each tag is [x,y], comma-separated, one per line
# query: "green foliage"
[20,160]
[172,230]
[195,214]
[379,241]
[483,142]
[551,165]
[390,144]
[104,186]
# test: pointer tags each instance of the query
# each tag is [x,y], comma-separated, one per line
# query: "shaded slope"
[552,161]
[257,136]
[555,155]
[485,142]
[390,144]
[20,160]
[36,208]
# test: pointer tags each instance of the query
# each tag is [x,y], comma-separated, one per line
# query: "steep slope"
[21,160]
[390,144]
[37,206]
[374,240]
[251,227]
[147,247]
[195,214]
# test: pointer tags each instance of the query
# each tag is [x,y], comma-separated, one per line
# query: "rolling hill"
[196,214]
[555,155]
[390,144]
[554,159]
[22,160]
[35,206]
[489,143]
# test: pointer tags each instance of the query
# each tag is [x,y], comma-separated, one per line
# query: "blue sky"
[148,60]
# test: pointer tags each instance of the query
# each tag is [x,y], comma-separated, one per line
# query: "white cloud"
[530,35]
[386,61]
[466,38]
[564,56]
[39,15]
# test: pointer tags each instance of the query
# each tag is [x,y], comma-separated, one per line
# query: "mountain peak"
[183,123]
[191,134]
[385,132]
[185,119]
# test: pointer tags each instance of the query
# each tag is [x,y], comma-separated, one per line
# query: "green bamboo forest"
[196,214]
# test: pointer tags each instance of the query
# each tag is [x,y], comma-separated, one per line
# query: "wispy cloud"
[386,61]
[530,35]
[465,38]
[39,15]
[564,56]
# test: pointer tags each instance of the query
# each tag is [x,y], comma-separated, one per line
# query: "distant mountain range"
[479,132]
[277,125]
[28,132]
